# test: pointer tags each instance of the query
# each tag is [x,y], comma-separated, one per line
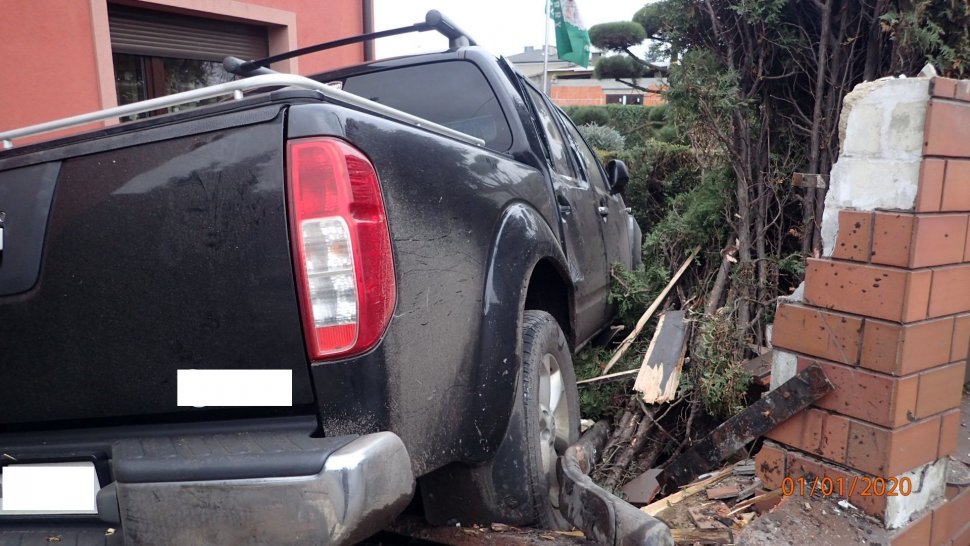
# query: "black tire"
[549,427]
[519,485]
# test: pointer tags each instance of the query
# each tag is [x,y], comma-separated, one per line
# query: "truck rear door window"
[452,93]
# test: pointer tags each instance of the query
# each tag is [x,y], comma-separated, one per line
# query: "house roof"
[534,55]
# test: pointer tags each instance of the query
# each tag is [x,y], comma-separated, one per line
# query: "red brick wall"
[887,318]
[578,96]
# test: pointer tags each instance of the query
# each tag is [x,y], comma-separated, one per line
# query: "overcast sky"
[503,27]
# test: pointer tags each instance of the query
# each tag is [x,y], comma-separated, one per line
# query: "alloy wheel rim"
[553,421]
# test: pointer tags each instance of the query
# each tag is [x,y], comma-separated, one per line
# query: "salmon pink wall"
[317,22]
[47,70]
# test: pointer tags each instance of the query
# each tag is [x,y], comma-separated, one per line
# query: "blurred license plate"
[50,488]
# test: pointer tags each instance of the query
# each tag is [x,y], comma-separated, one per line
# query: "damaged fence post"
[778,405]
[603,517]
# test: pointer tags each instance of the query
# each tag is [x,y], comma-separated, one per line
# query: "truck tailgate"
[149,258]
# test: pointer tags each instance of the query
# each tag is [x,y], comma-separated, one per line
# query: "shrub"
[603,138]
[585,115]
[617,36]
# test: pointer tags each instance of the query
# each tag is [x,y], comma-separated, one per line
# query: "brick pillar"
[886,311]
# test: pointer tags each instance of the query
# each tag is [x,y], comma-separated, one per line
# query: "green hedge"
[637,124]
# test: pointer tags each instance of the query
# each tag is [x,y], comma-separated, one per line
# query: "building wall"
[57,54]
[577,96]
[48,64]
[592,95]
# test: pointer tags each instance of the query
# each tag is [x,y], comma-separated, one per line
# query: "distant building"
[572,85]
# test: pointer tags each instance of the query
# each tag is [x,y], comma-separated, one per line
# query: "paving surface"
[413,530]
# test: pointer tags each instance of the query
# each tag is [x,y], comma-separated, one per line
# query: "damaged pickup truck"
[421,243]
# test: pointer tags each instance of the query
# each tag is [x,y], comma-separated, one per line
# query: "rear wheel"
[519,485]
[550,405]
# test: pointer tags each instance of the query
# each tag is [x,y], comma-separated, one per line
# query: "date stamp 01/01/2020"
[865,486]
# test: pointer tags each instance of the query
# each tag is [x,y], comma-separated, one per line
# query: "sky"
[503,27]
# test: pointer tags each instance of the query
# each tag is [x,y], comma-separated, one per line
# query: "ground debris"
[723,492]
[708,516]
[643,488]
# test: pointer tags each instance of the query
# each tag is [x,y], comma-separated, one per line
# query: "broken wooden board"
[643,488]
[775,407]
[760,368]
[659,374]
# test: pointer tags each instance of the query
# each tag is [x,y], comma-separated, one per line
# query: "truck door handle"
[3,217]
[604,211]
[564,207]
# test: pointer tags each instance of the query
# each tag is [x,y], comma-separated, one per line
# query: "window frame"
[533,94]
[564,119]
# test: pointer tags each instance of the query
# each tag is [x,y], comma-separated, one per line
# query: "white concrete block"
[929,484]
[863,137]
[867,184]
[905,130]
[881,132]
[784,366]
[899,90]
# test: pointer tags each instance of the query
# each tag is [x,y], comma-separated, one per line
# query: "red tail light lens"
[341,247]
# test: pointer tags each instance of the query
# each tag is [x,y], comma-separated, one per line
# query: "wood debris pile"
[658,455]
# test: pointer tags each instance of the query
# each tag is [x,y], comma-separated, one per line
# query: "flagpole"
[545,51]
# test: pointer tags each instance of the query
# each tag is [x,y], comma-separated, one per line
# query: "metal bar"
[231,88]
[419,27]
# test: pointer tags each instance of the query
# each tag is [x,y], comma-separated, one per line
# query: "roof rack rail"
[235,88]
[433,20]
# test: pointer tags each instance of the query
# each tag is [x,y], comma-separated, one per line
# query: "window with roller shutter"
[159,53]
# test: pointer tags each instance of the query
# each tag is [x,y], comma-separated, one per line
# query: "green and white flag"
[572,39]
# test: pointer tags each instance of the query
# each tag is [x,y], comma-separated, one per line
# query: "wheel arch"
[526,269]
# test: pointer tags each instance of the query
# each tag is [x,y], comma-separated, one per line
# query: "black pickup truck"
[421,242]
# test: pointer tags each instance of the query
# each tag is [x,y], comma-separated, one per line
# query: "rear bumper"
[362,487]
[259,493]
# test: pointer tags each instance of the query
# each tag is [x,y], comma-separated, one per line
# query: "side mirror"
[618,175]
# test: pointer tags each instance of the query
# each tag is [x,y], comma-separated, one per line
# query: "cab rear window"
[451,93]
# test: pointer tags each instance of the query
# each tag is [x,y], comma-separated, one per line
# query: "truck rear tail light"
[341,247]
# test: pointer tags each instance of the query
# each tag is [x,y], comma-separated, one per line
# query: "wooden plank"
[628,341]
[659,374]
[775,407]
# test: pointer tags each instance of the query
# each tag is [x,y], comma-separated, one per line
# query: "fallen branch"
[626,343]
[631,451]
[720,282]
